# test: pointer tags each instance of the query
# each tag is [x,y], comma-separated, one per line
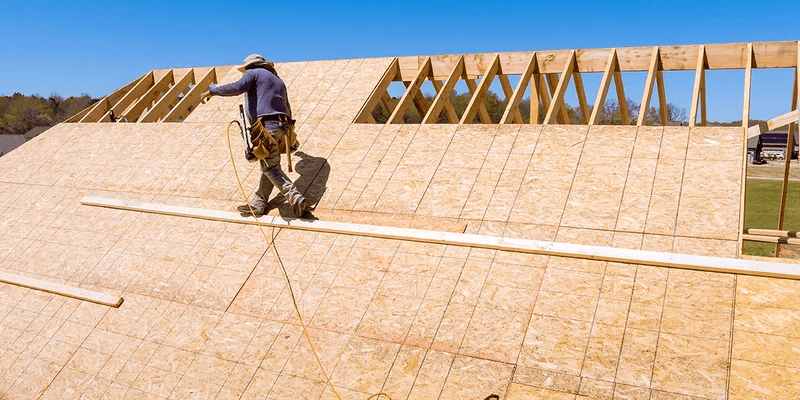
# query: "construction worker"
[268,106]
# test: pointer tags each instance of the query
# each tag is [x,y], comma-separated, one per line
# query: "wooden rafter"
[605,84]
[581,92]
[138,91]
[789,150]
[480,92]
[386,100]
[443,94]
[483,114]
[745,125]
[552,82]
[449,110]
[101,107]
[392,73]
[192,97]
[147,100]
[648,87]
[508,92]
[161,108]
[663,108]
[698,92]
[544,94]
[411,93]
[519,92]
[624,113]
[631,59]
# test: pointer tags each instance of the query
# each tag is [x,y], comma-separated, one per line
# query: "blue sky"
[96,47]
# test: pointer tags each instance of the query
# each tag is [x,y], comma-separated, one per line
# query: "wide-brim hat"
[255,61]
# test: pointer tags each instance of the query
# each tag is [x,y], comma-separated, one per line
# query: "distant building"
[36,131]
[10,142]
[774,143]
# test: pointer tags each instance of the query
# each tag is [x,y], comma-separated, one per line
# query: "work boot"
[300,208]
[245,210]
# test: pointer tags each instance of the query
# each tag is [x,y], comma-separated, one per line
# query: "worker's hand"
[205,96]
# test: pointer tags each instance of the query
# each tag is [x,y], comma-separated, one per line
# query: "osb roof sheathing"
[207,312]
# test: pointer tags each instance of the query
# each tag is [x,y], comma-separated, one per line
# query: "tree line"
[20,113]
[495,106]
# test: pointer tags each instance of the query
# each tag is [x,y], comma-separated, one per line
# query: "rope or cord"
[271,246]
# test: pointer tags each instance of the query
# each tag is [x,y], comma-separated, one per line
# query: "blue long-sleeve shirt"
[266,93]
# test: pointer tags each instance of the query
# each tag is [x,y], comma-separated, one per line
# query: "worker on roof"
[269,112]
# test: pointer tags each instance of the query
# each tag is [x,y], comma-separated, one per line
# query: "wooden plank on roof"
[674,260]
[62,290]
[745,125]
[581,92]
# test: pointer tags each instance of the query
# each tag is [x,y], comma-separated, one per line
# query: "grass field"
[761,211]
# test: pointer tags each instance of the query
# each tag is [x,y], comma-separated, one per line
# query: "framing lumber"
[552,82]
[605,84]
[544,94]
[168,99]
[644,106]
[663,108]
[125,102]
[581,91]
[624,113]
[419,102]
[508,92]
[410,94]
[192,97]
[480,92]
[561,89]
[512,109]
[483,114]
[788,153]
[148,99]
[443,95]
[699,87]
[449,110]
[684,261]
[631,59]
[771,239]
[745,123]
[102,106]
[391,74]
[387,102]
[771,232]
[62,290]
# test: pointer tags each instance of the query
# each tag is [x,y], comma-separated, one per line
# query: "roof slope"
[207,312]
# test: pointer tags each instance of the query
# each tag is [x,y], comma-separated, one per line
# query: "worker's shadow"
[312,182]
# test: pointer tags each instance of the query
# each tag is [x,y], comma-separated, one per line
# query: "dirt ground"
[774,170]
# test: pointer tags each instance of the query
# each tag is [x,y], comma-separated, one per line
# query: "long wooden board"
[63,290]
[685,261]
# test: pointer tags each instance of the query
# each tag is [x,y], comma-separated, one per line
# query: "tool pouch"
[263,143]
